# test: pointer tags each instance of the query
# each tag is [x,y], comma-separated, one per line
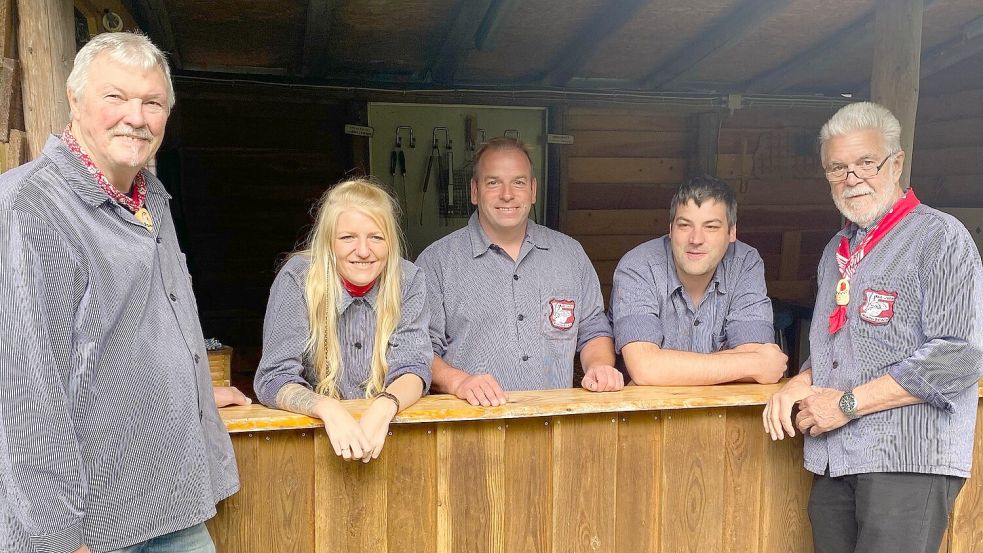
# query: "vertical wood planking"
[784,498]
[744,455]
[351,501]
[965,531]
[639,486]
[693,471]
[470,487]
[584,483]
[291,490]
[410,456]
[528,462]
[791,253]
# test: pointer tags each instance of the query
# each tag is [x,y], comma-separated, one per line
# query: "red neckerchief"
[139,188]
[355,290]
[848,262]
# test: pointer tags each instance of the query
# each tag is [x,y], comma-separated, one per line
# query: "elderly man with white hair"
[887,402]
[109,435]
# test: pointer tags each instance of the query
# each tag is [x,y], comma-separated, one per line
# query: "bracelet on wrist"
[390,397]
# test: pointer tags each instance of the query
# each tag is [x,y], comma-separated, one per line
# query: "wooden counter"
[645,469]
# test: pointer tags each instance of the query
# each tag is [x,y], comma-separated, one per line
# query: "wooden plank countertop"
[544,403]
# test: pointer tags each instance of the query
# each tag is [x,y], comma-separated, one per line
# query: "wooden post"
[895,74]
[705,129]
[46,47]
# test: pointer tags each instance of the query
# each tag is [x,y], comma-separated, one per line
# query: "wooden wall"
[245,171]
[626,164]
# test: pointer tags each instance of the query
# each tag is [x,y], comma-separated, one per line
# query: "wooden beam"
[705,129]
[721,34]
[10,110]
[949,54]
[485,38]
[856,35]
[320,16]
[468,15]
[46,43]
[8,36]
[153,18]
[589,37]
[897,56]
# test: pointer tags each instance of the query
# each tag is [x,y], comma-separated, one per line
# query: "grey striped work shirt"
[649,304]
[916,313]
[522,322]
[108,429]
[285,331]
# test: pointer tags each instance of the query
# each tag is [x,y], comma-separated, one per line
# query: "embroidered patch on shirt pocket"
[877,307]
[561,318]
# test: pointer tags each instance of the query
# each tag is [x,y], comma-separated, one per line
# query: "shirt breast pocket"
[560,315]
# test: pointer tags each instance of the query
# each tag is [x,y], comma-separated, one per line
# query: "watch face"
[848,404]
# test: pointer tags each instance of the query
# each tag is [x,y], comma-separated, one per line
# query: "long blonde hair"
[323,289]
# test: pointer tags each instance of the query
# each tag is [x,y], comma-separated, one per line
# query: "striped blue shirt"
[520,321]
[109,434]
[649,304]
[916,313]
[286,328]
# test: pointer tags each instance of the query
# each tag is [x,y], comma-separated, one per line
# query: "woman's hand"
[375,424]
[346,435]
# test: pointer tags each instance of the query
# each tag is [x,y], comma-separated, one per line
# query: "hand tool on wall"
[437,172]
[397,167]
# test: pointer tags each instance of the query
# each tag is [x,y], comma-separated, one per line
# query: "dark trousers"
[881,512]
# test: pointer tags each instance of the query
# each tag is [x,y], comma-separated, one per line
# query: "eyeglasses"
[864,170]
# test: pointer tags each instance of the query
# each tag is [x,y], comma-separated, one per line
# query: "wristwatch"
[848,404]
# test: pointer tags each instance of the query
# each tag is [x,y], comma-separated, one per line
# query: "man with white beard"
[887,401]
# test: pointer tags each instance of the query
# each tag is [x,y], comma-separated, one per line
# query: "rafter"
[589,37]
[319,20]
[722,33]
[487,34]
[468,15]
[949,54]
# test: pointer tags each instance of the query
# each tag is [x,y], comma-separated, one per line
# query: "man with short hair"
[512,301]
[691,308]
[887,401]
[110,434]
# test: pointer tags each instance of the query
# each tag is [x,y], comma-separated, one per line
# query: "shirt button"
[201,414]
[521,316]
[358,345]
[197,358]
[173,297]
[525,357]
[515,277]
[159,240]
[836,364]
[696,323]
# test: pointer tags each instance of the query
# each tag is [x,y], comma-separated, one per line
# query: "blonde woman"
[347,319]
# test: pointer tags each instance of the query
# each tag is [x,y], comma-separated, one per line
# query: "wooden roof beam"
[722,33]
[460,37]
[582,44]
[319,20]
[487,33]
[152,17]
[952,52]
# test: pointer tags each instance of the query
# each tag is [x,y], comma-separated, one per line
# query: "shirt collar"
[346,299]
[535,236]
[82,182]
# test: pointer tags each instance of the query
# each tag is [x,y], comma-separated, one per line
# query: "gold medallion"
[843,292]
[144,218]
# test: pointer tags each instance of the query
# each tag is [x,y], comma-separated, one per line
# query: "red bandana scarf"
[355,290]
[848,262]
[139,189]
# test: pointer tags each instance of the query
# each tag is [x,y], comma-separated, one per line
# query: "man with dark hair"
[512,301]
[690,308]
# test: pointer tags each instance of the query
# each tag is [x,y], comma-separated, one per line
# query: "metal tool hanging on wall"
[463,176]
[438,172]
[397,166]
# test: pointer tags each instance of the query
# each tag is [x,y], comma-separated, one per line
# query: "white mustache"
[126,130]
[858,190]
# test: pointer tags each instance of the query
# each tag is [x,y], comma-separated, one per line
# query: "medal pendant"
[843,292]
[144,218]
